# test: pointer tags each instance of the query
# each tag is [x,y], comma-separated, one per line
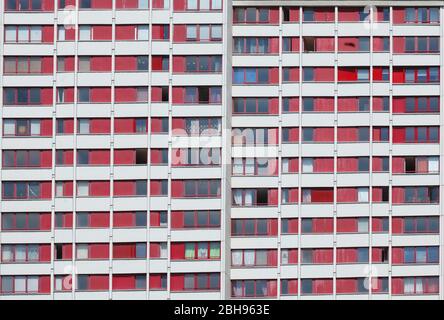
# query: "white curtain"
[307,165]
[142,33]
[35,127]
[421,255]
[85,33]
[33,284]
[82,251]
[419,286]
[7,254]
[204,32]
[237,197]
[237,166]
[249,194]
[9,127]
[143,4]
[59,189]
[249,166]
[216,4]
[306,196]
[20,284]
[284,256]
[36,33]
[202,251]
[192,4]
[236,257]
[33,253]
[237,288]
[20,253]
[433,164]
[362,194]
[409,285]
[204,4]
[362,225]
[23,34]
[10,34]
[249,259]
[285,166]
[82,188]
[163,250]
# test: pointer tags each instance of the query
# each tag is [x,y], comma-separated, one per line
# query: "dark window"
[307,134]
[141,156]
[36,4]
[262,75]
[8,158]
[410,134]
[434,44]
[83,157]
[9,96]
[306,286]
[308,14]
[141,250]
[141,188]
[309,44]
[82,282]
[20,221]
[364,44]
[363,134]
[363,164]
[307,225]
[34,95]
[165,94]
[8,189]
[82,220]
[308,74]
[140,281]
[362,255]
[141,219]
[140,125]
[308,104]
[34,158]
[364,103]
[142,63]
[85,4]
[34,221]
[307,256]
[362,286]
[204,94]
[214,218]
[83,94]
[262,197]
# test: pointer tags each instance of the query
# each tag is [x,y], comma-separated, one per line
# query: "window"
[142,33]
[421,15]
[84,126]
[203,32]
[363,75]
[84,32]
[83,95]
[308,74]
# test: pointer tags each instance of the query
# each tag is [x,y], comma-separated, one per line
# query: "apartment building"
[211,149]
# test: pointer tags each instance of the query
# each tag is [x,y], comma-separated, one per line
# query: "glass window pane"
[191,32]
[19,284]
[142,33]
[23,34]
[7,284]
[363,74]
[141,250]
[204,32]
[363,225]
[84,32]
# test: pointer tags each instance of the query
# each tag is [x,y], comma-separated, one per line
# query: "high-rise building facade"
[215,149]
